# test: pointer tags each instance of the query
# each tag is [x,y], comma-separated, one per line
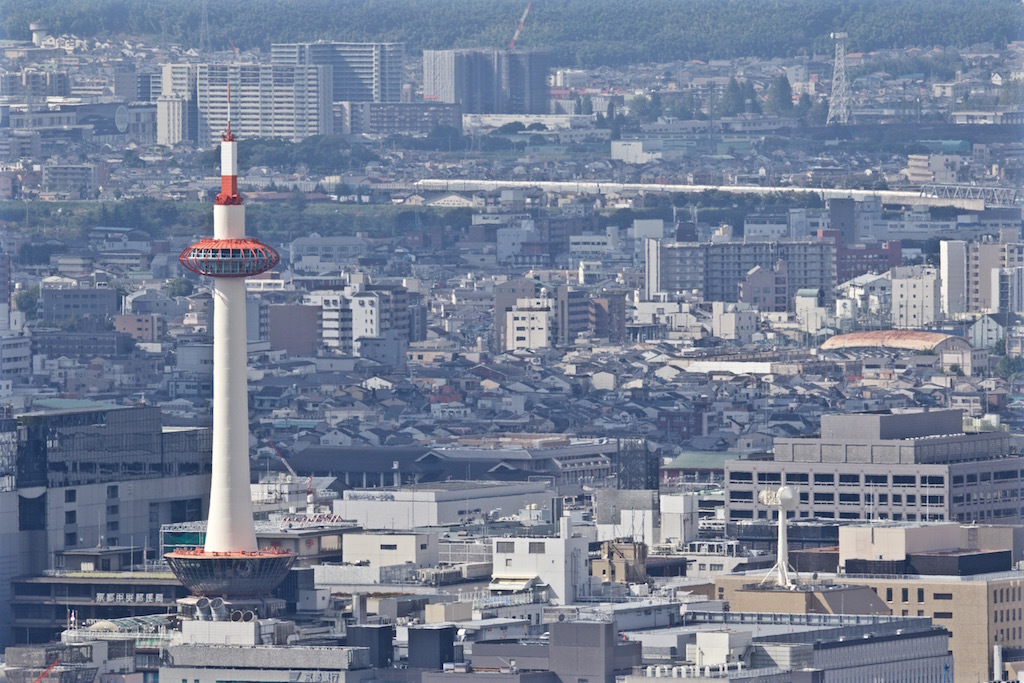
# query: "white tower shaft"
[230,527]
[783,553]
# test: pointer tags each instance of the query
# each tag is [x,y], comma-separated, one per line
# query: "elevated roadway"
[966,201]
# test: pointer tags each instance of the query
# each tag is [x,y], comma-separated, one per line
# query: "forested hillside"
[581,32]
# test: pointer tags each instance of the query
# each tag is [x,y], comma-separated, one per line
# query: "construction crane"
[47,671]
[310,493]
[280,457]
[519,27]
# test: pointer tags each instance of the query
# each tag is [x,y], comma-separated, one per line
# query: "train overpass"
[961,197]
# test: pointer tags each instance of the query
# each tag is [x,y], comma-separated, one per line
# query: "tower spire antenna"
[228,137]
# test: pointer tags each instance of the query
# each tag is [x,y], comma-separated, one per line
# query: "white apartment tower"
[267,101]
[916,297]
[652,272]
[953,276]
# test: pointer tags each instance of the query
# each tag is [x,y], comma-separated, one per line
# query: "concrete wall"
[894,543]
[678,518]
[383,550]
[414,508]
[560,562]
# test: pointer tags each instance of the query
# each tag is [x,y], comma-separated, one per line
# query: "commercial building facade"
[90,476]
[901,467]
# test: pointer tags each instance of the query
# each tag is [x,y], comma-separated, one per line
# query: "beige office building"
[980,609]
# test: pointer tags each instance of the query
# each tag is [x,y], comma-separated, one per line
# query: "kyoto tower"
[230,564]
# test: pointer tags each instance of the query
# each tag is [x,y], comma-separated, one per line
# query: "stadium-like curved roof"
[908,340]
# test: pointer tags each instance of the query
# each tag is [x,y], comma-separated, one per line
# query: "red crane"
[46,671]
[519,28]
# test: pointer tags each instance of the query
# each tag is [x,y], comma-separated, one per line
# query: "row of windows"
[1005,594]
[1002,475]
[823,497]
[535,547]
[829,478]
[824,513]
[986,497]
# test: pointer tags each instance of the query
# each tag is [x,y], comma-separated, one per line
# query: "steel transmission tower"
[204,31]
[840,103]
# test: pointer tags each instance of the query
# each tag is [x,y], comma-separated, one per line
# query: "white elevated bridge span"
[901,197]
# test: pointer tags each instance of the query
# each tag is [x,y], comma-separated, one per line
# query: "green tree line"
[580,32]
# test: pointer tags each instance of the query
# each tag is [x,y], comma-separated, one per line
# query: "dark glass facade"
[108,444]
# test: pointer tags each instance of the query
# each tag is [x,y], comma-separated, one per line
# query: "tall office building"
[362,72]
[267,101]
[842,216]
[488,81]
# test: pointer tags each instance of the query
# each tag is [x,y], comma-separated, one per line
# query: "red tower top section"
[229,166]
[237,257]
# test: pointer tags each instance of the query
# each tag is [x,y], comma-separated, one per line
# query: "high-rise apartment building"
[714,271]
[177,113]
[953,277]
[524,81]
[488,81]
[969,270]
[361,72]
[467,77]
[365,311]
[1008,290]
[292,102]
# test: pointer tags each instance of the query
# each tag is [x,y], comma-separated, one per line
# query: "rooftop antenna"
[228,137]
[784,499]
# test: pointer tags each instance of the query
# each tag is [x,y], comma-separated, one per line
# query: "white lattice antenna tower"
[841,101]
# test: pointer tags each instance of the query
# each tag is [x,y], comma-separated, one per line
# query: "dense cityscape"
[511,342]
